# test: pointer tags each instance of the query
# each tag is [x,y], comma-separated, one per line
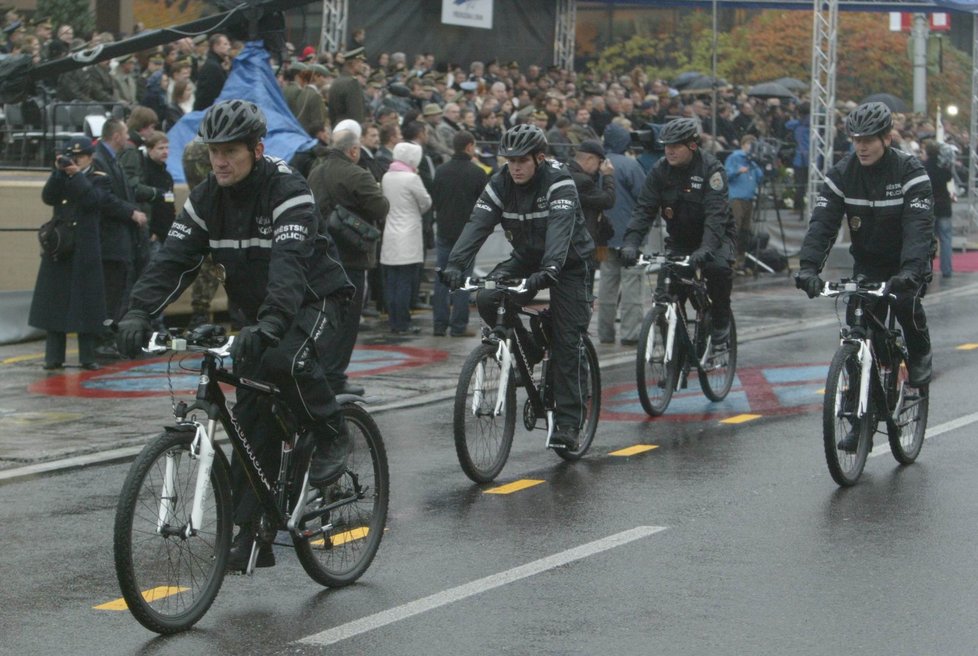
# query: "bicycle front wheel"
[839,420]
[591,380]
[482,437]
[655,378]
[168,579]
[344,541]
[906,430]
[717,369]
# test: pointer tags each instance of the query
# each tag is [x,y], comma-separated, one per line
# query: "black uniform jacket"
[694,204]
[889,208]
[267,234]
[542,220]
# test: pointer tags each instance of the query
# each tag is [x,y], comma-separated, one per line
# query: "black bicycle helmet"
[522,139]
[680,131]
[232,120]
[869,120]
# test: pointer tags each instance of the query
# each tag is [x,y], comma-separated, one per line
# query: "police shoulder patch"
[716,181]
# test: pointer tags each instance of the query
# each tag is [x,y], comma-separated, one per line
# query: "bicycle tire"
[905,445]
[838,417]
[656,381]
[483,440]
[341,551]
[592,404]
[169,582]
[717,376]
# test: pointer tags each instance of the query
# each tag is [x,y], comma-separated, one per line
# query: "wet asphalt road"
[751,547]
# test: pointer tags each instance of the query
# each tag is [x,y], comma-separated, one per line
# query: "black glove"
[699,257]
[451,277]
[537,281]
[903,282]
[134,333]
[250,343]
[808,281]
[628,256]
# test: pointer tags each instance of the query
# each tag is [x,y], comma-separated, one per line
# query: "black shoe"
[332,450]
[439,332]
[720,336]
[370,313]
[347,388]
[564,438]
[107,352]
[241,551]
[919,368]
[849,443]
[52,366]
[91,366]
[629,342]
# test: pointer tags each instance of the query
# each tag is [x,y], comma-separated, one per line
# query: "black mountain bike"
[174,518]
[868,383]
[673,341]
[485,399]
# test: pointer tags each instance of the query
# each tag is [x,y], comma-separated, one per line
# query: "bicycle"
[486,392]
[868,382]
[173,522]
[671,343]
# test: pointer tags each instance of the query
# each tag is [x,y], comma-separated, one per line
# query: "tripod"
[767,189]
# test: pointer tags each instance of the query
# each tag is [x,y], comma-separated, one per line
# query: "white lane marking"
[932,431]
[410,609]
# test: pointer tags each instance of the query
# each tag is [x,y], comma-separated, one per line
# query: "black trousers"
[570,308]
[907,308]
[295,367]
[719,285]
[336,355]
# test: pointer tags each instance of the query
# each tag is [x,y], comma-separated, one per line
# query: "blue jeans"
[943,230]
[398,283]
[448,310]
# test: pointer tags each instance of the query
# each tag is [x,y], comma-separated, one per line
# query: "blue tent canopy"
[251,78]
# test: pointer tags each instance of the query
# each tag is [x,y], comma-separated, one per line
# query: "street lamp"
[952,110]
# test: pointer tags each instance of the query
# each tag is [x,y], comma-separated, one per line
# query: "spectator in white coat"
[402,249]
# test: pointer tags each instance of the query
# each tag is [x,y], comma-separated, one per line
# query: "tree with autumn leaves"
[774,44]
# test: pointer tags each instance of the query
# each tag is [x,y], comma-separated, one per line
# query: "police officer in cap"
[689,188]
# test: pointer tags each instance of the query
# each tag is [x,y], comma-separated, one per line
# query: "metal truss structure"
[973,131]
[333,35]
[825,30]
[565,34]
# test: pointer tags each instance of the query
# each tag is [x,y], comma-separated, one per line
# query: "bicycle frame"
[675,308]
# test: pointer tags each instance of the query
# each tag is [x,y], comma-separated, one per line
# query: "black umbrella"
[770,90]
[793,84]
[684,79]
[704,83]
[888,99]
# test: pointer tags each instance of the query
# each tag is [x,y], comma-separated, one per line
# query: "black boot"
[241,551]
[919,368]
[333,446]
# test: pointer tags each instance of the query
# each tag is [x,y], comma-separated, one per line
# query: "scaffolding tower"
[565,34]
[825,30]
[333,35]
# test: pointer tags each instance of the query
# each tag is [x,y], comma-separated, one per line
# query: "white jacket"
[403,241]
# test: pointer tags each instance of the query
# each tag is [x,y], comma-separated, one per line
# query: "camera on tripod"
[766,154]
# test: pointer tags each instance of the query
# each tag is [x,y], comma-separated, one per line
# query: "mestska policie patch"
[716,181]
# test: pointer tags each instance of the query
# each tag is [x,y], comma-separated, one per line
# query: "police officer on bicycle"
[257,219]
[886,197]
[688,187]
[536,202]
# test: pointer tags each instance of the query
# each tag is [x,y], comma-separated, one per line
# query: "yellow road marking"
[22,358]
[968,347]
[739,419]
[149,595]
[344,537]
[515,486]
[632,450]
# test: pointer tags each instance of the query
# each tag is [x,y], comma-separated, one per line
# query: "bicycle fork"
[865,359]
[202,449]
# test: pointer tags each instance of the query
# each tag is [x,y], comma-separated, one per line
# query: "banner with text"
[468,13]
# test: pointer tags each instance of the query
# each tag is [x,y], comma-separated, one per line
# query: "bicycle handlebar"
[659,258]
[209,337]
[848,287]
[514,285]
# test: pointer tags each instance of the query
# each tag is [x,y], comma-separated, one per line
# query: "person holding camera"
[688,187]
[69,295]
[744,177]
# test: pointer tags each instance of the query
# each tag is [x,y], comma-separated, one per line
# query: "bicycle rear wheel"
[592,403]
[717,369]
[906,432]
[344,542]
[169,580]
[839,418]
[483,438]
[656,379]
